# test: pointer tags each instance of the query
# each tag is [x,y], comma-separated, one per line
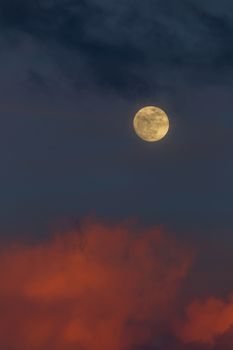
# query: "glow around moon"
[151,123]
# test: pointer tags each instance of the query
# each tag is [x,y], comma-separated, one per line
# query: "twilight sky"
[73,74]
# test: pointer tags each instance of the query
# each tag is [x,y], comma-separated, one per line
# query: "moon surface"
[151,123]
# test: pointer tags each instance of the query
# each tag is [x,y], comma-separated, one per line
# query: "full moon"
[151,123]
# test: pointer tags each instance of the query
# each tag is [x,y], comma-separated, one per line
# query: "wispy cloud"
[129,46]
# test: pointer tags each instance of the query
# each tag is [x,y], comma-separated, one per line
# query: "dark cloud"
[129,46]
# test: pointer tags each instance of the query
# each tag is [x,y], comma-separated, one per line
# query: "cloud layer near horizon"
[105,287]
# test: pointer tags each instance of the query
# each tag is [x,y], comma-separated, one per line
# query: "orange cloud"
[207,320]
[105,288]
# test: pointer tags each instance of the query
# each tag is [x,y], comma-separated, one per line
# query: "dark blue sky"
[73,74]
